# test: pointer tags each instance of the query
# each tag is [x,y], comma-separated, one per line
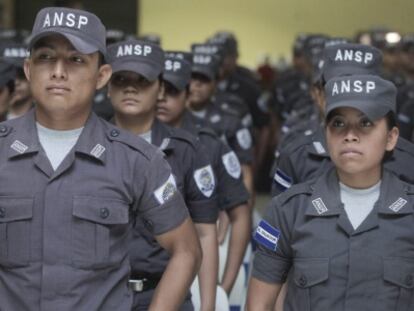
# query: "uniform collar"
[24,137]
[91,142]
[325,199]
[161,136]
[394,198]
[318,146]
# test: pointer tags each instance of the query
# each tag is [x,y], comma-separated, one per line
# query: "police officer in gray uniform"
[307,158]
[72,184]
[232,194]
[347,237]
[134,88]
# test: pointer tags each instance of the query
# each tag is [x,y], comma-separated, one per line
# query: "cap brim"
[204,71]
[144,69]
[79,44]
[373,110]
[179,83]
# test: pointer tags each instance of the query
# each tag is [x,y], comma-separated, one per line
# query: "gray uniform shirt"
[63,233]
[307,233]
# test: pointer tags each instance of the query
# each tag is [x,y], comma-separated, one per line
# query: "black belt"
[140,283]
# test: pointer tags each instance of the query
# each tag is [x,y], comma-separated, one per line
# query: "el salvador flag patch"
[282,179]
[266,235]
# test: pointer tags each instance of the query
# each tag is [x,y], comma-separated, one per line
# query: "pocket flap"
[15,209]
[399,271]
[101,210]
[310,271]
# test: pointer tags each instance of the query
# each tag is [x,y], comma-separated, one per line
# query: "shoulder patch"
[266,235]
[282,179]
[244,138]
[319,147]
[232,164]
[166,191]
[204,178]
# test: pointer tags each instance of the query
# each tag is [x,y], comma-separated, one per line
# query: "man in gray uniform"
[72,184]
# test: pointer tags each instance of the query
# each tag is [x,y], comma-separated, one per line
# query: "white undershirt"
[358,203]
[57,144]
[146,136]
[200,113]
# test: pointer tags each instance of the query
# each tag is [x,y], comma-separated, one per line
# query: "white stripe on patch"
[19,147]
[97,151]
[398,205]
[318,147]
[319,206]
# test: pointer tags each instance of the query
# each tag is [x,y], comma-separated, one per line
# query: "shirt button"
[3,129]
[303,280]
[2,212]
[409,280]
[104,213]
[114,133]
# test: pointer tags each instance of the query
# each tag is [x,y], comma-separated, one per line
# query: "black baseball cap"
[350,59]
[141,57]
[83,29]
[177,72]
[372,95]
[206,64]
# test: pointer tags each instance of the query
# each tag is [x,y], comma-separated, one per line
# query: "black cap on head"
[14,53]
[227,40]
[187,56]
[370,94]
[177,72]
[210,49]
[138,56]
[151,38]
[206,64]
[83,29]
[350,59]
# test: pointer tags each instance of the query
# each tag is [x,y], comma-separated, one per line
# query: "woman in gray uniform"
[347,237]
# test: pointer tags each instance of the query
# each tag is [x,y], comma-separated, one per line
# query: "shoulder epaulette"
[297,189]
[183,135]
[133,141]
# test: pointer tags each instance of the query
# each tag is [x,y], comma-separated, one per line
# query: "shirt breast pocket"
[398,285]
[16,215]
[308,277]
[99,232]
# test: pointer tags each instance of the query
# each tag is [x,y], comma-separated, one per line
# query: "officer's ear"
[26,68]
[104,74]
[392,138]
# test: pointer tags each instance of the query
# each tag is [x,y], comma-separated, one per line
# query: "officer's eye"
[337,122]
[43,56]
[365,122]
[77,59]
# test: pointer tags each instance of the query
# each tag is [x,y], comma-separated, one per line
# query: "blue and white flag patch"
[282,179]
[266,235]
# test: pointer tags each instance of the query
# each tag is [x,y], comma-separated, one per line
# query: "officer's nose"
[351,136]
[59,70]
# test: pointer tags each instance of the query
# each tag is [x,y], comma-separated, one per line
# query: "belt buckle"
[136,285]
